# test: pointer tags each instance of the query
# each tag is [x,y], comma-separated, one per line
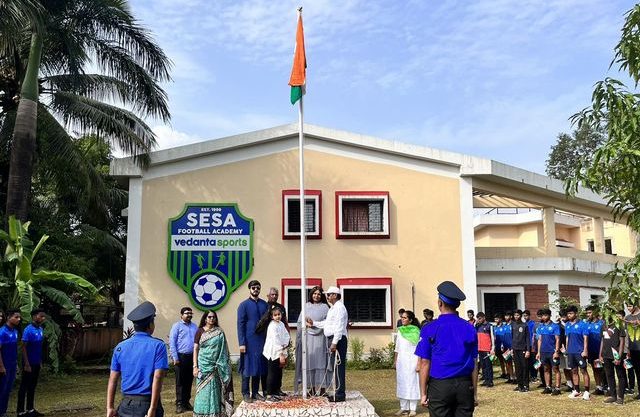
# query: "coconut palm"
[50,65]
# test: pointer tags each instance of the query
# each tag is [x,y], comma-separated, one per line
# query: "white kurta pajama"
[407,379]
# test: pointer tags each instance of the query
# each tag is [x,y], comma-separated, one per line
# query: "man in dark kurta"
[253,366]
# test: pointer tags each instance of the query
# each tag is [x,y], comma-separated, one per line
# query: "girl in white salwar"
[406,364]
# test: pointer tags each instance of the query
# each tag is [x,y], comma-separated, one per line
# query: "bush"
[379,358]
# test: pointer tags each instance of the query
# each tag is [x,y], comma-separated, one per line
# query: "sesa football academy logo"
[210,252]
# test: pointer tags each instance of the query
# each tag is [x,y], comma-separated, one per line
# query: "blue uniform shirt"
[506,335]
[452,346]
[33,337]
[595,336]
[575,333]
[181,338]
[547,333]
[137,358]
[9,347]
[497,337]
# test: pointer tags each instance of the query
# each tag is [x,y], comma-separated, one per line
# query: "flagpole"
[303,277]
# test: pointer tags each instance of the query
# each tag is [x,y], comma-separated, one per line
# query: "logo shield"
[210,252]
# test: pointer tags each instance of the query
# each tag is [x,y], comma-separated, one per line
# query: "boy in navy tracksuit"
[507,337]
[485,348]
[521,347]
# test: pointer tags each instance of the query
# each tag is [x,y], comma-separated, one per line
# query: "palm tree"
[56,92]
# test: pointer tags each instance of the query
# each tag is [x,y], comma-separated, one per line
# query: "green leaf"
[62,299]
[80,283]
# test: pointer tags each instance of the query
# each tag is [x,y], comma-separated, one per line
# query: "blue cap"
[142,314]
[450,293]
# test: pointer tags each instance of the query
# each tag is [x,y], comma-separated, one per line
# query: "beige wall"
[526,235]
[425,245]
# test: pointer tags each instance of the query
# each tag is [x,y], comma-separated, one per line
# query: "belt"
[455,378]
[136,397]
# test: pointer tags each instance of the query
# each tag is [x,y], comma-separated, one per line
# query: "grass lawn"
[86,393]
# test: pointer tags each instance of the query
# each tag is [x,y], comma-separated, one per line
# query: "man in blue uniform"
[142,362]
[8,357]
[253,365]
[595,337]
[448,349]
[577,332]
[548,337]
[32,338]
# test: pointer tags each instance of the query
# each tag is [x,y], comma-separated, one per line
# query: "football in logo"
[209,290]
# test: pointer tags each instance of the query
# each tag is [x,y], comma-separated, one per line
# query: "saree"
[214,384]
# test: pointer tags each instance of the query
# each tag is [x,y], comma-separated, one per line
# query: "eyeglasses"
[255,288]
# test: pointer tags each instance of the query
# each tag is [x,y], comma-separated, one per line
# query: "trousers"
[341,350]
[522,368]
[487,367]
[451,397]
[28,388]
[6,383]
[137,406]
[611,371]
[411,405]
[274,377]
[184,378]
[255,385]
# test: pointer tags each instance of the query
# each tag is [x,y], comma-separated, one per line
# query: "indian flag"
[299,69]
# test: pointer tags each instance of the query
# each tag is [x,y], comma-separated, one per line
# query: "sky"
[491,78]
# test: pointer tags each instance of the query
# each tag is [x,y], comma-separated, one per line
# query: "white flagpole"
[303,277]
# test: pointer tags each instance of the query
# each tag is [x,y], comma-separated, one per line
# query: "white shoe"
[412,413]
[586,396]
[574,394]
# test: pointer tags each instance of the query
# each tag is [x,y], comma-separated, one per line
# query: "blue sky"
[491,78]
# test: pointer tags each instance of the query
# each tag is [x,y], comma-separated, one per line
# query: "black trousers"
[274,377]
[611,371]
[452,397]
[137,406]
[522,367]
[28,388]
[635,361]
[184,378]
[341,350]
[254,381]
[487,367]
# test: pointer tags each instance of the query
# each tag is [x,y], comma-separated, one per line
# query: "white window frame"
[384,197]
[501,290]
[316,200]
[387,301]
[586,293]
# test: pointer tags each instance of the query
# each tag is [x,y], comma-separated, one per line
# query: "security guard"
[142,362]
[448,349]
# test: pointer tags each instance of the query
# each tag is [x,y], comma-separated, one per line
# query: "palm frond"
[74,280]
[63,300]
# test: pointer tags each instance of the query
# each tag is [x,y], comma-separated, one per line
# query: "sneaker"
[569,389]
[555,391]
[609,400]
[272,399]
[488,385]
[401,412]
[517,388]
[543,385]
[547,390]
[180,409]
[525,388]
[258,397]
[628,391]
[619,401]
[598,391]
[504,376]
[412,413]
[574,394]
[637,397]
[247,399]
[586,395]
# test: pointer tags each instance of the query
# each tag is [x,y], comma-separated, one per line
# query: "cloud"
[169,138]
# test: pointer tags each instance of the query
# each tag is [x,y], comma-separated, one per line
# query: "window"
[291,214]
[291,297]
[368,301]
[591,246]
[608,247]
[363,214]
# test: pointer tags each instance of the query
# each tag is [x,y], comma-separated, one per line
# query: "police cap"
[450,293]
[142,314]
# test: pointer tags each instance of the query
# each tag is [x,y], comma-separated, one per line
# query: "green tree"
[570,151]
[614,170]
[45,65]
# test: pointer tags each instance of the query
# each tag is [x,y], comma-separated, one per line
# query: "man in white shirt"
[335,329]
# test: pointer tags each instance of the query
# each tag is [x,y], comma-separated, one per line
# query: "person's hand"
[111,412]
[334,347]
[195,371]
[176,362]
[527,354]
[584,354]
[616,362]
[475,400]
[418,368]
[424,400]
[243,349]
[27,368]
[151,412]
[556,356]
[283,360]
[309,322]
[493,352]
[538,356]
[563,349]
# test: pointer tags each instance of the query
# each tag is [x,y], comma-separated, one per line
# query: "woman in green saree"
[212,369]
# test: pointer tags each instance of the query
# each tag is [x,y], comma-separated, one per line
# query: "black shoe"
[282,394]
[619,401]
[334,399]
[569,389]
[489,385]
[598,391]
[547,390]
[504,376]
[637,397]
[525,388]
[609,400]
[555,391]
[36,413]
[247,399]
[188,407]
[543,385]
[517,389]
[258,397]
[180,409]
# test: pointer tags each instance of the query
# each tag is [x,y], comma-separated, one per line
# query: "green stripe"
[174,264]
[237,268]
[210,260]
[182,266]
[189,266]
[296,94]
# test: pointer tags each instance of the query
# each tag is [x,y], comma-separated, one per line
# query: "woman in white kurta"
[407,377]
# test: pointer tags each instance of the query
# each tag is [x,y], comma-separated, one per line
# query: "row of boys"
[569,344]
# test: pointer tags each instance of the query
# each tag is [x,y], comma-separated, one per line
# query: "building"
[387,222]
